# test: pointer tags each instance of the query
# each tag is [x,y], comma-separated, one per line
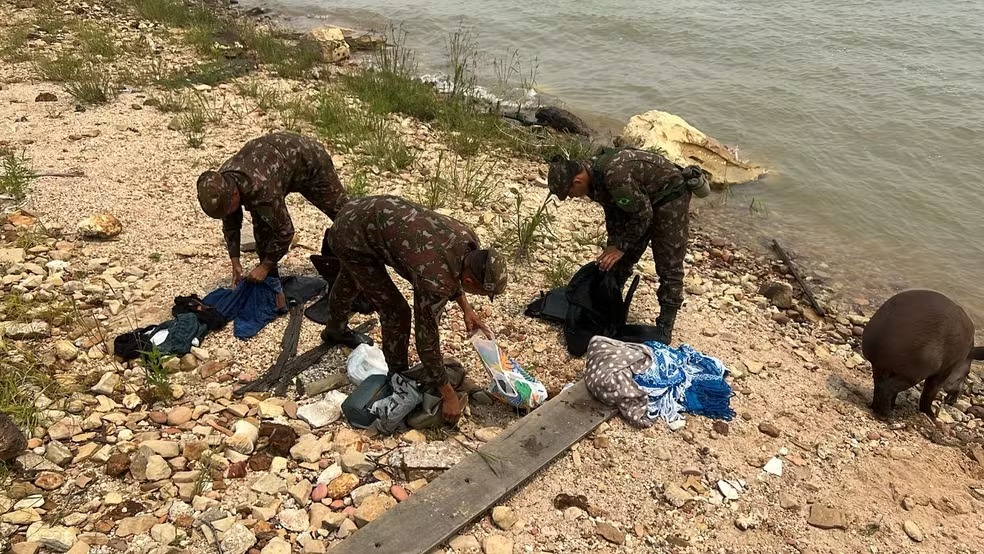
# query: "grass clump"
[22,380]
[525,233]
[16,175]
[97,41]
[359,185]
[464,178]
[157,380]
[559,273]
[91,86]
[13,43]
[338,121]
[173,13]
[385,146]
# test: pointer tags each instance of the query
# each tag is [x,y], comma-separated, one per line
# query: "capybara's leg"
[931,388]
[887,388]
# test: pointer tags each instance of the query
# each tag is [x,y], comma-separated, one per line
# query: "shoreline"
[800,387]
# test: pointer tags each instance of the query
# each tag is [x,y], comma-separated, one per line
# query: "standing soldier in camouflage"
[259,177]
[440,257]
[646,199]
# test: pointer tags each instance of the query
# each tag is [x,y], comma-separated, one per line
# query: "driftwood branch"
[69,173]
[799,279]
[281,375]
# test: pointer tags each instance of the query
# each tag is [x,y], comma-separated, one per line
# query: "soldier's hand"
[450,405]
[474,324]
[237,272]
[609,258]
[258,275]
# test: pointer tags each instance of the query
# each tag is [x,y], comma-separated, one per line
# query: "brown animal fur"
[915,336]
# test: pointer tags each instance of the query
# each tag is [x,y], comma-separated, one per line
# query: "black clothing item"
[206,314]
[129,346]
[300,289]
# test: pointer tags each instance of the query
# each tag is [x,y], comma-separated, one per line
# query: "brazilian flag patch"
[623,201]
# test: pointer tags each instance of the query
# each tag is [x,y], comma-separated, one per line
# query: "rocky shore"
[121,457]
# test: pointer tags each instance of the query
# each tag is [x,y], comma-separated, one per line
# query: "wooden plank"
[466,491]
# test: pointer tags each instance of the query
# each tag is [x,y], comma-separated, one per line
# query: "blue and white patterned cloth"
[684,380]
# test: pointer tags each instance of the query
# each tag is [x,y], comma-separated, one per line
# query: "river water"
[870,112]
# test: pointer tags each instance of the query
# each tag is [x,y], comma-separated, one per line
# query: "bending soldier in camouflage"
[646,199]
[258,178]
[440,257]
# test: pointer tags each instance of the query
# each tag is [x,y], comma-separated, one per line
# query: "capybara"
[919,335]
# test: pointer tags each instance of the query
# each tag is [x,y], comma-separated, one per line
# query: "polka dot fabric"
[609,367]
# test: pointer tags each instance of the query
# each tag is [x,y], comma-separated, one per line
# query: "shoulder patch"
[623,201]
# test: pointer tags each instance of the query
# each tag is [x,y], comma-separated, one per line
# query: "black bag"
[591,304]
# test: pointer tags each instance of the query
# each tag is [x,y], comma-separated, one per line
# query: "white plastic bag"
[364,361]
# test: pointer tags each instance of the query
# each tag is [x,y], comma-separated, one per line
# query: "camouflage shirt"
[628,183]
[265,171]
[423,246]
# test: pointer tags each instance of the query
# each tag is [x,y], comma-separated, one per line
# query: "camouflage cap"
[215,194]
[561,175]
[488,266]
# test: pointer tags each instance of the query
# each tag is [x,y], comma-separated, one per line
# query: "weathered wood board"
[466,491]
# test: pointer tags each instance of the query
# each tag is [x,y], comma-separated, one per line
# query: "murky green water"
[872,112]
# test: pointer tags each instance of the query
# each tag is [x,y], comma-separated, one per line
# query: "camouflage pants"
[667,235]
[363,273]
[324,190]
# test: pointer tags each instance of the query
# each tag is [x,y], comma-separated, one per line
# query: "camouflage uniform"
[265,171]
[646,203]
[425,248]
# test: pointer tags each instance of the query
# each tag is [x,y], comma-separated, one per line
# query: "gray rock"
[353,461]
[913,530]
[58,454]
[66,351]
[36,463]
[238,540]
[28,331]
[12,440]
[58,539]
[780,294]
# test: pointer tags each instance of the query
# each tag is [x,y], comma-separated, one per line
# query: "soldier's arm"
[427,311]
[635,207]
[232,226]
[279,231]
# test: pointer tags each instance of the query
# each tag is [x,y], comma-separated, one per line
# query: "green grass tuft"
[16,175]
[22,380]
[559,273]
[526,232]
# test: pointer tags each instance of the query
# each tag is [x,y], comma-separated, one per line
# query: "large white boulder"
[686,145]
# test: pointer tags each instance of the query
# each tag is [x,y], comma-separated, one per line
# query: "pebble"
[319,493]
[497,544]
[164,533]
[179,415]
[373,507]
[57,539]
[237,540]
[788,502]
[276,545]
[487,434]
[827,517]
[913,530]
[773,467]
[321,413]
[728,490]
[504,517]
[49,481]
[58,454]
[399,493]
[294,520]
[343,485]
[769,429]
[465,544]
[676,496]
[610,533]
[353,461]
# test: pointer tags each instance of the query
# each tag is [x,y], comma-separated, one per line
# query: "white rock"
[276,545]
[294,520]
[237,540]
[107,384]
[58,539]
[333,44]
[157,468]
[330,473]
[321,413]
[164,533]
[773,466]
[728,490]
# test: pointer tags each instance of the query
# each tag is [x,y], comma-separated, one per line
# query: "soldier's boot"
[664,324]
[348,338]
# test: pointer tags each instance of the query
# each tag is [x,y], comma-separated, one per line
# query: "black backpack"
[591,304]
